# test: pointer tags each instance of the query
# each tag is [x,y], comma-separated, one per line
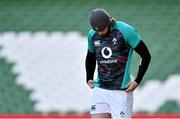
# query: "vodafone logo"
[106,52]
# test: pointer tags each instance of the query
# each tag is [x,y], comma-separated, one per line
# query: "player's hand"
[91,84]
[132,86]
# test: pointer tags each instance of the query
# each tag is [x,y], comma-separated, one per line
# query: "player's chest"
[114,41]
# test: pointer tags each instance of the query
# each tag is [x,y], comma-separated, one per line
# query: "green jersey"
[114,55]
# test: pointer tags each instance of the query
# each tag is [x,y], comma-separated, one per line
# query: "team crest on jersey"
[114,41]
[97,43]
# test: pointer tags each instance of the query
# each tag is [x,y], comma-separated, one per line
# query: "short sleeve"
[90,44]
[130,34]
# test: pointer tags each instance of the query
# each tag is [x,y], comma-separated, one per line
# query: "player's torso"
[111,55]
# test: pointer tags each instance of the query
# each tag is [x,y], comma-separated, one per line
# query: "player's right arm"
[90,61]
[90,68]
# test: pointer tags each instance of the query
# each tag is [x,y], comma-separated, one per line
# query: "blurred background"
[43,44]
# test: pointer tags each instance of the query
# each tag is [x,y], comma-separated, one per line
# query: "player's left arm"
[135,41]
[145,55]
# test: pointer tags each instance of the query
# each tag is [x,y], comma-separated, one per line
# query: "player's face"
[103,32]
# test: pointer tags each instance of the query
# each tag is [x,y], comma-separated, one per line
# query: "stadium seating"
[24,26]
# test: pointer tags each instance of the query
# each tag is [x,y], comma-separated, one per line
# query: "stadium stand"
[29,30]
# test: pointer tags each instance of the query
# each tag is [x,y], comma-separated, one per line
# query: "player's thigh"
[100,109]
[99,106]
[101,116]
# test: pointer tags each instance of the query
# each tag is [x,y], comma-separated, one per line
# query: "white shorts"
[116,102]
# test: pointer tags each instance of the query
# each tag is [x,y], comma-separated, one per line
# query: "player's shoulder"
[122,25]
[91,32]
